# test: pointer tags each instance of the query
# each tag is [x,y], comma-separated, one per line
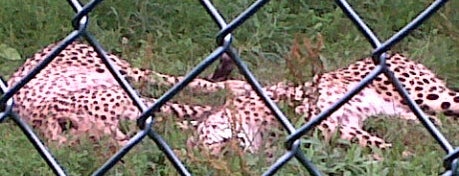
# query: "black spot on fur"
[389,94]
[419,95]
[456,99]
[445,105]
[425,108]
[425,81]
[100,70]
[432,97]
[418,101]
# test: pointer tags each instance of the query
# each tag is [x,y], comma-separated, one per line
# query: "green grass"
[173,36]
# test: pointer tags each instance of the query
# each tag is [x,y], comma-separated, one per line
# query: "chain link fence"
[224,44]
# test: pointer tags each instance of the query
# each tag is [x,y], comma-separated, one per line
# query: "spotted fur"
[245,118]
[76,93]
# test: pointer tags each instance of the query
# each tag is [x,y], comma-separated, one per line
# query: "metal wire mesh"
[224,44]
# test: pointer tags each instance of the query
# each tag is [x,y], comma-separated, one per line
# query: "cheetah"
[246,119]
[77,94]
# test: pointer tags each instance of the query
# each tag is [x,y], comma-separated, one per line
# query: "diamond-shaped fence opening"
[224,44]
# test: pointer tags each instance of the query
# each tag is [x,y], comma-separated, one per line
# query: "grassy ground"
[173,36]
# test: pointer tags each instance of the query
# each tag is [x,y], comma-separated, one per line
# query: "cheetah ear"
[223,70]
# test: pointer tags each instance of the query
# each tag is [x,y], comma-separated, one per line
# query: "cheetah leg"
[411,117]
[348,121]
[189,115]
[350,126]
[191,112]
[59,124]
[364,138]
[53,132]
[49,123]
[328,129]
[236,87]
[197,83]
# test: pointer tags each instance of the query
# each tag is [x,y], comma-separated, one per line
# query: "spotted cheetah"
[76,93]
[245,118]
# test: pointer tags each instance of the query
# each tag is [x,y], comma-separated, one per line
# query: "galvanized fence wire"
[224,41]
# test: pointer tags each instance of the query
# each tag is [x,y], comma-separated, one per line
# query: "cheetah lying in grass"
[246,119]
[77,94]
